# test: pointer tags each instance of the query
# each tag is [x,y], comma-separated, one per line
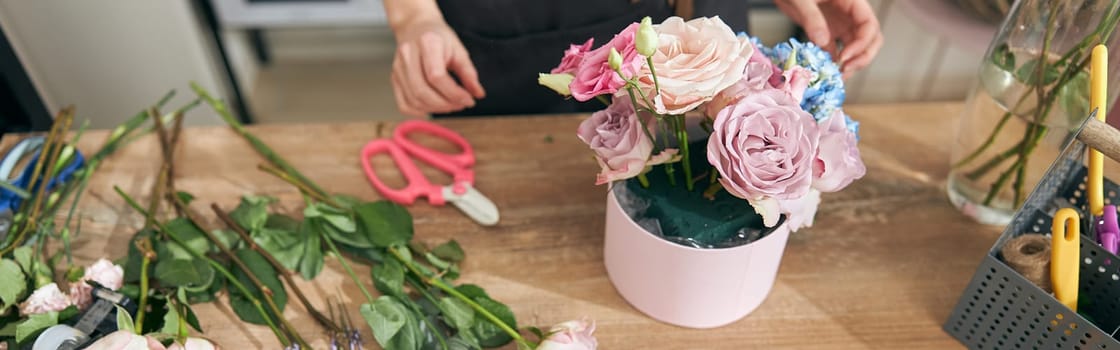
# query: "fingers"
[434,62]
[861,34]
[400,94]
[463,68]
[863,58]
[414,79]
[808,14]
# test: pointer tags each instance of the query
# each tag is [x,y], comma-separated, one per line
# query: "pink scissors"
[460,192]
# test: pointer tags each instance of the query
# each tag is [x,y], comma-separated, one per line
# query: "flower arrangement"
[776,132]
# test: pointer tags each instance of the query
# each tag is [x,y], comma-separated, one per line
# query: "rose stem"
[682,135]
[257,144]
[144,245]
[346,266]
[998,159]
[265,291]
[218,267]
[303,187]
[437,282]
[643,180]
[162,177]
[51,150]
[284,272]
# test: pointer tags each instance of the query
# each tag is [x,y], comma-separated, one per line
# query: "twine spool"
[1029,255]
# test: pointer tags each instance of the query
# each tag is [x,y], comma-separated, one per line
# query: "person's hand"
[428,52]
[852,22]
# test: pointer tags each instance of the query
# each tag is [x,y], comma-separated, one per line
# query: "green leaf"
[268,276]
[192,319]
[472,291]
[436,261]
[282,222]
[285,246]
[228,238]
[354,240]
[312,261]
[463,341]
[196,274]
[252,212]
[170,321]
[385,223]
[388,277]
[347,202]
[34,324]
[342,222]
[185,197]
[450,251]
[15,285]
[67,313]
[23,257]
[190,235]
[1074,97]
[386,316]
[537,331]
[490,335]
[458,313]
[1027,73]
[124,320]
[1004,58]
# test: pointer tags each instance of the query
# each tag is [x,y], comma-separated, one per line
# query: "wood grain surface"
[881,268]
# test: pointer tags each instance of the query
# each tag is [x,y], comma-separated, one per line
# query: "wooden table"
[882,267]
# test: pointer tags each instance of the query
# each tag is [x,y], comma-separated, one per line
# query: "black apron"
[511,41]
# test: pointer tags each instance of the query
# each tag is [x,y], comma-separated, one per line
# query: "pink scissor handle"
[458,165]
[417,185]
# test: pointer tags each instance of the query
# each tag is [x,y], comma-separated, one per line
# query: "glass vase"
[1032,92]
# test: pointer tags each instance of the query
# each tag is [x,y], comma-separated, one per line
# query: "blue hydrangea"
[825,93]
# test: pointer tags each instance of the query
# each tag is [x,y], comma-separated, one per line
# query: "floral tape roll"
[1029,255]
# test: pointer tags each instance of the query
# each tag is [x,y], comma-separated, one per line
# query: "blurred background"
[282,61]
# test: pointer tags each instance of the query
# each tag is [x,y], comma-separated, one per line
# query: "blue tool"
[10,201]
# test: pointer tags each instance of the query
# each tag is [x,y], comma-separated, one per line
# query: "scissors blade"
[474,204]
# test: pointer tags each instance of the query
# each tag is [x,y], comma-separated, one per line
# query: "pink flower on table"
[838,162]
[105,273]
[125,340]
[571,335]
[45,299]
[80,294]
[572,57]
[764,147]
[594,76]
[621,146]
[694,61]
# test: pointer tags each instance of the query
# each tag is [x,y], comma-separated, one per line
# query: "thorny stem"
[437,282]
[284,272]
[144,245]
[217,266]
[265,291]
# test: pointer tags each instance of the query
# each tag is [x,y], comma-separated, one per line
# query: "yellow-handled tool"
[1098,95]
[1065,256]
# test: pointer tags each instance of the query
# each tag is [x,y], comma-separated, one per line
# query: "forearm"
[403,12]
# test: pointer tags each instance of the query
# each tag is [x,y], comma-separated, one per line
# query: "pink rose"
[838,162]
[571,335]
[125,340]
[760,74]
[80,294]
[799,212]
[795,81]
[594,75]
[764,146]
[694,61]
[106,274]
[621,146]
[45,299]
[572,57]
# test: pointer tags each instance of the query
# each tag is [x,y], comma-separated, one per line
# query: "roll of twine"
[1029,255]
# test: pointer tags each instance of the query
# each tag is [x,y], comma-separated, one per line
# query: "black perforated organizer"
[1000,309]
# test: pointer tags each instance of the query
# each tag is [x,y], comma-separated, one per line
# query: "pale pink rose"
[764,147]
[571,335]
[594,75]
[45,299]
[105,273]
[795,81]
[572,57]
[125,340]
[194,344]
[694,61]
[799,212]
[80,294]
[838,162]
[621,147]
